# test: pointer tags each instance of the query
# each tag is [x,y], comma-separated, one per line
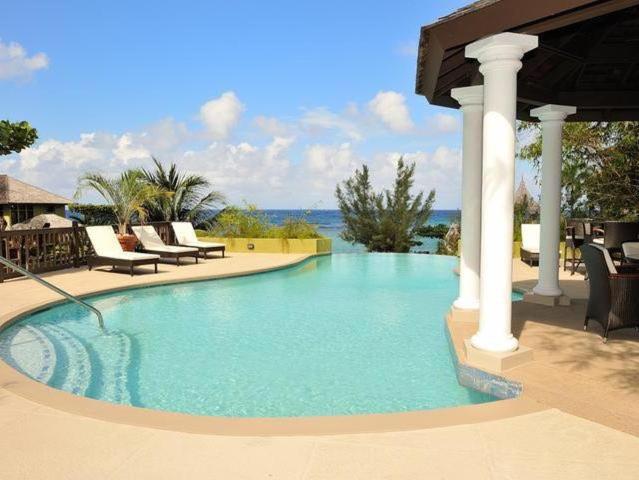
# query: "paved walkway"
[41,442]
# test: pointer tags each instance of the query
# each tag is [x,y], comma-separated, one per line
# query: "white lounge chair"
[530,237]
[108,251]
[185,236]
[152,243]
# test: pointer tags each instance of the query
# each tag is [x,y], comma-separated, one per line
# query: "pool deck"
[577,418]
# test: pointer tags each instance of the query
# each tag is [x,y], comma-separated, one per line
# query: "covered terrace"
[500,61]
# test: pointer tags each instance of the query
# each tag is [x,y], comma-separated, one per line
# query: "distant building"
[523,196]
[20,201]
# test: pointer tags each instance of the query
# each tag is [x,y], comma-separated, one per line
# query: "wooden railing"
[48,249]
[44,250]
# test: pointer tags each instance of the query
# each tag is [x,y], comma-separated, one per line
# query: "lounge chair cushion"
[131,256]
[105,244]
[530,235]
[185,235]
[150,240]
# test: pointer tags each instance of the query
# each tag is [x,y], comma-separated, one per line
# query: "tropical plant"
[600,162]
[16,136]
[388,221]
[191,200]
[128,194]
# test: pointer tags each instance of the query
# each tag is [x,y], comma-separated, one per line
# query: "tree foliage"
[93,214]
[16,136]
[191,196]
[600,165]
[128,194]
[386,221]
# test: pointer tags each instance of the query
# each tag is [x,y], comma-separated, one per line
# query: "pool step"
[77,358]
[29,351]
[115,369]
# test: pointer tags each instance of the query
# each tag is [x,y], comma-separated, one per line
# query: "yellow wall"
[275,245]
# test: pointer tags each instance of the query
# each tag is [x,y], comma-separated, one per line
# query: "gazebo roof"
[588,54]
[15,191]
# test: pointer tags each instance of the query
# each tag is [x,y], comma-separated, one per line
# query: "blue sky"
[274,101]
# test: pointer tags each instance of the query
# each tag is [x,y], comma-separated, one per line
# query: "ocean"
[330,224]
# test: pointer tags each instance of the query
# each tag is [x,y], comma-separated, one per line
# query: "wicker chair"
[578,232]
[614,291]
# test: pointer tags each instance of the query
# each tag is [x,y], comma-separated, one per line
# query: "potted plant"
[127,195]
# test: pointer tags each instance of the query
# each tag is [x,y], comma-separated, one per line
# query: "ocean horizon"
[330,224]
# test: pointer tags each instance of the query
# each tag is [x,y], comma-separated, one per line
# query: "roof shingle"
[15,191]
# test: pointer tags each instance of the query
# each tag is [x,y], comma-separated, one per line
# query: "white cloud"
[57,165]
[297,167]
[390,107]
[16,63]
[443,123]
[319,120]
[271,126]
[220,115]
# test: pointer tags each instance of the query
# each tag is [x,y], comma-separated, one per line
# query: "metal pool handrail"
[59,291]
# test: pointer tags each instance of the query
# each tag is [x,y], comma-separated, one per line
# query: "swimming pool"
[342,334]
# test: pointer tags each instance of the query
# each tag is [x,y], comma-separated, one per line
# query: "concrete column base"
[549,301]
[496,362]
[462,315]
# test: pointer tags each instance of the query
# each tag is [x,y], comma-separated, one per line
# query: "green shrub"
[250,222]
[294,227]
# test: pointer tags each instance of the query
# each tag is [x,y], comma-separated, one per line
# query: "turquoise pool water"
[342,334]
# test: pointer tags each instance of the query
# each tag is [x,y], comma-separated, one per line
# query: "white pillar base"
[489,343]
[547,300]
[547,290]
[496,362]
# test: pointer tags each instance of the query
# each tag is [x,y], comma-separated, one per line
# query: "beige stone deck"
[573,370]
[573,376]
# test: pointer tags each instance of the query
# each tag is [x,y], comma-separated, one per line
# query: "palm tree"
[191,198]
[128,194]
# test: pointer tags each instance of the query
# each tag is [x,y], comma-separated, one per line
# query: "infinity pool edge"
[25,387]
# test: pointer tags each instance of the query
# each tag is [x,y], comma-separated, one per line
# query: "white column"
[471,100]
[552,120]
[500,58]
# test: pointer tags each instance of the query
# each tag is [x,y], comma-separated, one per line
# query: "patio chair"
[613,301]
[630,252]
[185,236]
[108,251]
[530,235]
[152,243]
[578,232]
[615,234]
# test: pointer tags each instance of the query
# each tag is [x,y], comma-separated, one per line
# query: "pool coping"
[32,390]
